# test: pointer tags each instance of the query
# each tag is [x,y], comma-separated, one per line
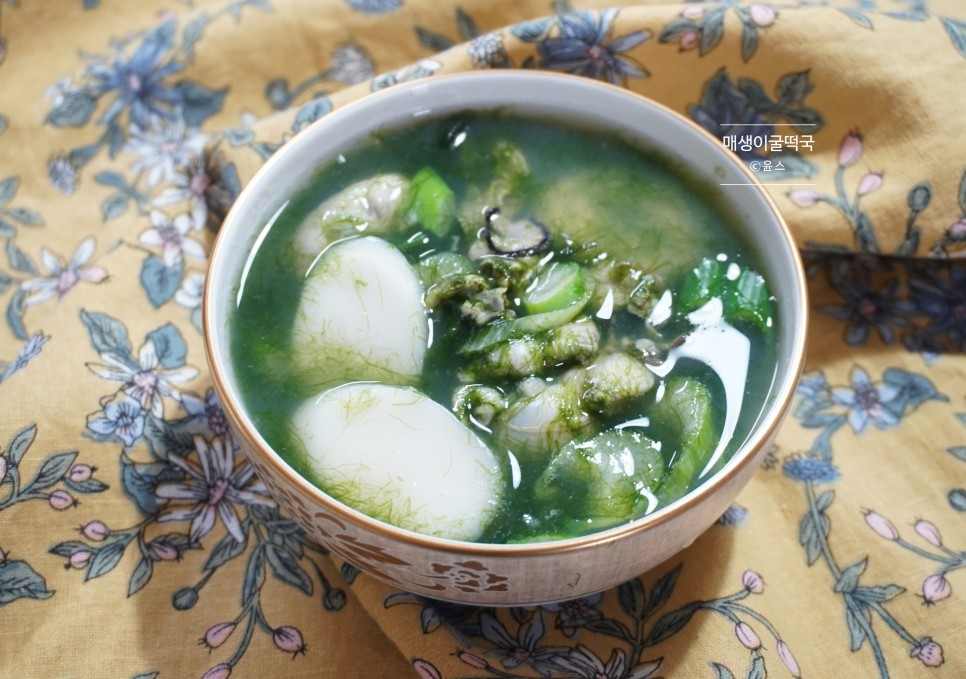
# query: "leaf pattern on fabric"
[57,481]
[194,480]
[861,404]
[751,123]
[924,307]
[511,645]
[702,26]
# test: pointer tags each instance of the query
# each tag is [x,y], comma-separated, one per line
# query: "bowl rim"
[244,428]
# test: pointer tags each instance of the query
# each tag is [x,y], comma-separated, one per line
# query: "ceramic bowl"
[485,573]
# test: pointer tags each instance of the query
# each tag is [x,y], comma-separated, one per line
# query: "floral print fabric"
[135,540]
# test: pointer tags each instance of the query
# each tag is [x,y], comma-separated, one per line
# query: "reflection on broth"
[496,329]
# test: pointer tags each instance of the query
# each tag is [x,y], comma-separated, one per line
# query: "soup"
[497,329]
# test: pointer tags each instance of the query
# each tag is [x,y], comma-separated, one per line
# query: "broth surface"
[585,188]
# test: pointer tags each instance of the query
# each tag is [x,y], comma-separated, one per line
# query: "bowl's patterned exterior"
[496,575]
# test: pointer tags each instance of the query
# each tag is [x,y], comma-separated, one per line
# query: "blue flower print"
[585,664]
[122,417]
[217,488]
[147,380]
[866,309]
[139,81]
[62,173]
[582,48]
[351,64]
[813,386]
[943,302]
[208,184]
[733,516]
[727,111]
[867,402]
[26,354]
[576,613]
[421,69]
[374,6]
[810,468]
[522,650]
[487,50]
[883,403]
[63,277]
[208,409]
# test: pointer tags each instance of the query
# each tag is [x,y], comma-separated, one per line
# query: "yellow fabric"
[875,450]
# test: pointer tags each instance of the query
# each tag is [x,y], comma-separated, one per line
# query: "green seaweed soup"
[630,220]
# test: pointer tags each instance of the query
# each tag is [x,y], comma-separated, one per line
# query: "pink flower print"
[850,150]
[215,489]
[693,12]
[867,402]
[928,652]
[957,231]
[289,639]
[752,582]
[881,525]
[747,636]
[162,147]
[80,473]
[803,197]
[688,39]
[146,382]
[425,669]
[202,183]
[62,278]
[762,15]
[871,181]
[61,499]
[162,551]
[935,588]
[78,559]
[220,671]
[927,531]
[473,660]
[217,634]
[788,659]
[172,238]
[95,531]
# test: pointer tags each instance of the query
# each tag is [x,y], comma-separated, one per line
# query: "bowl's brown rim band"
[769,427]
